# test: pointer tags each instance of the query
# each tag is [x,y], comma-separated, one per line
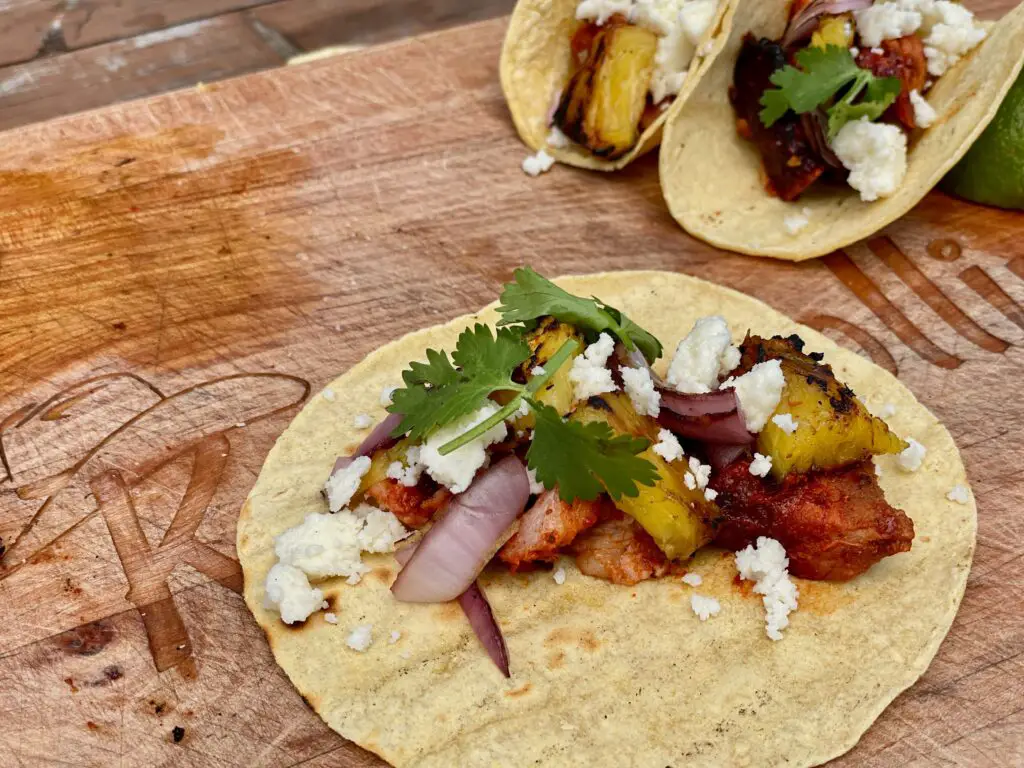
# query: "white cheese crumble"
[875,154]
[885,21]
[589,374]
[343,483]
[456,470]
[701,472]
[331,545]
[385,395]
[362,421]
[394,637]
[761,465]
[668,446]
[766,565]
[704,607]
[538,370]
[599,11]
[559,576]
[329,395]
[758,392]
[911,457]
[640,387]
[785,422]
[331,618]
[796,222]
[690,480]
[407,474]
[536,486]
[959,493]
[557,139]
[535,165]
[710,494]
[693,579]
[288,591]
[886,411]
[706,354]
[924,113]
[952,34]
[360,638]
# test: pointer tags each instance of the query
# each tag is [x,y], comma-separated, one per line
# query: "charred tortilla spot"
[517,692]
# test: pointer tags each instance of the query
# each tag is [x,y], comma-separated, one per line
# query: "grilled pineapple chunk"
[605,99]
[379,463]
[677,517]
[834,30]
[544,341]
[834,429]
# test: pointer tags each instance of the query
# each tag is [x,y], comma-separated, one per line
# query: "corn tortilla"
[713,180]
[606,675]
[535,66]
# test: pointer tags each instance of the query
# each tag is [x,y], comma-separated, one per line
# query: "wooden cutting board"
[178,276]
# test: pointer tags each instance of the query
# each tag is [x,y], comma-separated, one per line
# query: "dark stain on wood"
[86,640]
[177,734]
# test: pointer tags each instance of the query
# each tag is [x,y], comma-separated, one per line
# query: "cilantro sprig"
[531,296]
[582,460]
[821,74]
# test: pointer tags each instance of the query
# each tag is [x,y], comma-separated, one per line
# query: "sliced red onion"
[815,125]
[720,456]
[807,19]
[380,437]
[711,418]
[456,548]
[481,618]
[634,359]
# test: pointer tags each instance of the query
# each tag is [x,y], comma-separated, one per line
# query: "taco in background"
[632,591]
[588,82]
[817,125]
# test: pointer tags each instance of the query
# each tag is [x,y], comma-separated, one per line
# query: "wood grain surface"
[178,275]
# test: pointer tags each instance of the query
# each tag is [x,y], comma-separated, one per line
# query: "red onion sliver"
[815,125]
[720,456]
[379,437]
[481,618]
[455,549]
[807,20]
[723,428]
[690,405]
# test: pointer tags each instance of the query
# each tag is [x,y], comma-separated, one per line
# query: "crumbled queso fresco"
[706,354]
[758,391]
[680,25]
[536,486]
[797,222]
[535,165]
[704,607]
[692,579]
[767,566]
[785,422]
[668,446]
[457,469]
[959,493]
[911,457]
[761,465]
[924,113]
[589,374]
[360,638]
[640,387]
[407,474]
[322,546]
[875,154]
[341,485]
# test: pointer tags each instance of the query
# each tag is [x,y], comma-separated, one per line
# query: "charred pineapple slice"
[676,516]
[604,101]
[544,341]
[834,30]
[834,429]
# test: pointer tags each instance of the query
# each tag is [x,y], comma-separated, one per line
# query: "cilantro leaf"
[437,393]
[532,296]
[880,93]
[584,460]
[821,74]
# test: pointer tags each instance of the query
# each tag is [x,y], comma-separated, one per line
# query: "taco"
[588,82]
[724,559]
[821,122]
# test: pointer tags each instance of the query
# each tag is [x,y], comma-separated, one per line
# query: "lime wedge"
[992,171]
